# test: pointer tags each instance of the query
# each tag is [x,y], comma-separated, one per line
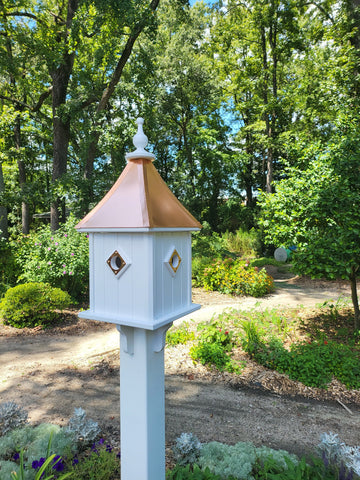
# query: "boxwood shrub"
[32,304]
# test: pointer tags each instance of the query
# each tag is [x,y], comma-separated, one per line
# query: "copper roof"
[139,199]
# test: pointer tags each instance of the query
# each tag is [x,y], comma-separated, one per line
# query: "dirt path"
[51,373]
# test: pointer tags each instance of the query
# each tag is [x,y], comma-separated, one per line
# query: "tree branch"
[42,98]
[23,14]
[322,10]
[123,59]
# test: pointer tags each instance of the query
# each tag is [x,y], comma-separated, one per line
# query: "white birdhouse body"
[152,287]
[140,250]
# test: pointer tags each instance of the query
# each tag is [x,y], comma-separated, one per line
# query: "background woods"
[233,94]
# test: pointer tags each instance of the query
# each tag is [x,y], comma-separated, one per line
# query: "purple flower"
[70,273]
[64,265]
[16,456]
[49,248]
[49,263]
[38,463]
[72,254]
[75,461]
[57,464]
[56,243]
[109,448]
[64,272]
[101,441]
[65,235]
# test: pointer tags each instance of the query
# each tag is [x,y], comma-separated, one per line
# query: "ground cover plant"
[310,347]
[45,451]
[333,460]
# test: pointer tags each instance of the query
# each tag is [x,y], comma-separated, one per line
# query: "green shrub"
[59,258]
[261,262]
[179,335]
[242,242]
[235,277]
[199,264]
[33,304]
[9,271]
[209,245]
[213,347]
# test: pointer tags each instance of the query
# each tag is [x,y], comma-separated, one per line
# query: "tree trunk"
[25,210]
[268,132]
[3,210]
[355,300]
[61,124]
[353,14]
[25,215]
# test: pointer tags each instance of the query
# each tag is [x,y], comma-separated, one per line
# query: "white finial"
[140,141]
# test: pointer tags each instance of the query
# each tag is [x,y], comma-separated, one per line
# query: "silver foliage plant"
[187,449]
[84,429]
[11,416]
[239,460]
[333,450]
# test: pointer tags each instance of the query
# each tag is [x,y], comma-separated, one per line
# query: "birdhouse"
[140,248]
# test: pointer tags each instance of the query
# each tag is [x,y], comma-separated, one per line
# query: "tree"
[255,43]
[317,210]
[79,49]
[183,107]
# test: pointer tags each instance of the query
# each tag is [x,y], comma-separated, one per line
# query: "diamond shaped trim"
[116,262]
[175,261]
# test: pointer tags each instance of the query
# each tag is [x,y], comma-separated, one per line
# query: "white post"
[142,403]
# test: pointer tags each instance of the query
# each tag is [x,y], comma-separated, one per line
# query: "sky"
[209,2]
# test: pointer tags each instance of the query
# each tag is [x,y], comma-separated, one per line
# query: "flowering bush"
[59,258]
[236,277]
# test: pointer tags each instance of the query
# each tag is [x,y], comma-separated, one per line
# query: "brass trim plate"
[116,262]
[174,261]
